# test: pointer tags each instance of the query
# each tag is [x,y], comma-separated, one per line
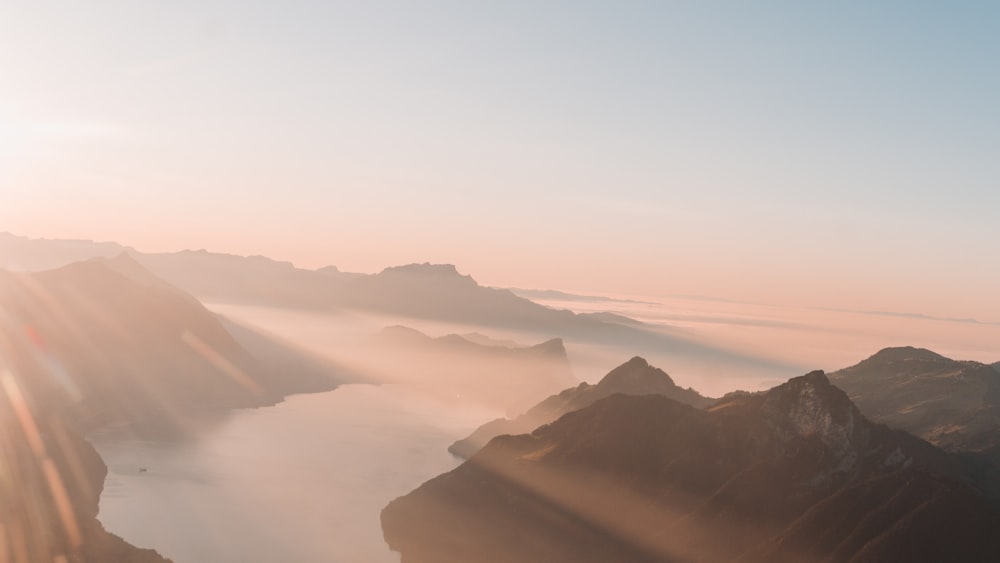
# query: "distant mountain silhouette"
[433,292]
[952,404]
[795,474]
[23,254]
[510,377]
[485,340]
[635,377]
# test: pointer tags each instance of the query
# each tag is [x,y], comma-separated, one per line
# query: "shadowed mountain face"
[793,474]
[954,405]
[635,377]
[509,377]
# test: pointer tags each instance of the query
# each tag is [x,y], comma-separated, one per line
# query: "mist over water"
[304,480]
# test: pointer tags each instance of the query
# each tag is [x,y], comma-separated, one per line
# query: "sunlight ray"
[221,363]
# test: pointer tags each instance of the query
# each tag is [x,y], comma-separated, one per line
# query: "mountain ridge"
[953,404]
[634,377]
[410,291]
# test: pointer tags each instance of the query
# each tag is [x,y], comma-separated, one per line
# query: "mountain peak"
[905,353]
[811,406]
[814,385]
[399,334]
[635,373]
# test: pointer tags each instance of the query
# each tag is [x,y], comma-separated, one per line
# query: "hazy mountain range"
[435,292]
[632,468]
[105,340]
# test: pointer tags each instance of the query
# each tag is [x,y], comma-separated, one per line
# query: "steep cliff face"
[634,377]
[793,474]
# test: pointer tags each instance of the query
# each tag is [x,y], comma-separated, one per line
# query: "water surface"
[302,481]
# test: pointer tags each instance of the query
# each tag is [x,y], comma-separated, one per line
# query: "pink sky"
[736,155]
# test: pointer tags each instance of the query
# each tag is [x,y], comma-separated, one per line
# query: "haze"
[449,281]
[837,156]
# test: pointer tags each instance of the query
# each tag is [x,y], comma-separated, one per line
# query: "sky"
[837,155]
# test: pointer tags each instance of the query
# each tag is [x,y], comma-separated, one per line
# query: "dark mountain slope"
[793,474]
[635,377]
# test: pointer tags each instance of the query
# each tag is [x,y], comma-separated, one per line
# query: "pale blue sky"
[842,153]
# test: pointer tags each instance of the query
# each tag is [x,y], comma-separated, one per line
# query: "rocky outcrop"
[793,474]
[634,377]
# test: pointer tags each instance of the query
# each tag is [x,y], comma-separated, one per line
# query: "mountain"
[23,254]
[253,280]
[792,474]
[634,377]
[952,404]
[51,486]
[104,339]
[509,377]
[430,292]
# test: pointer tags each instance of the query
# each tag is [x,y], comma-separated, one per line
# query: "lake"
[302,481]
